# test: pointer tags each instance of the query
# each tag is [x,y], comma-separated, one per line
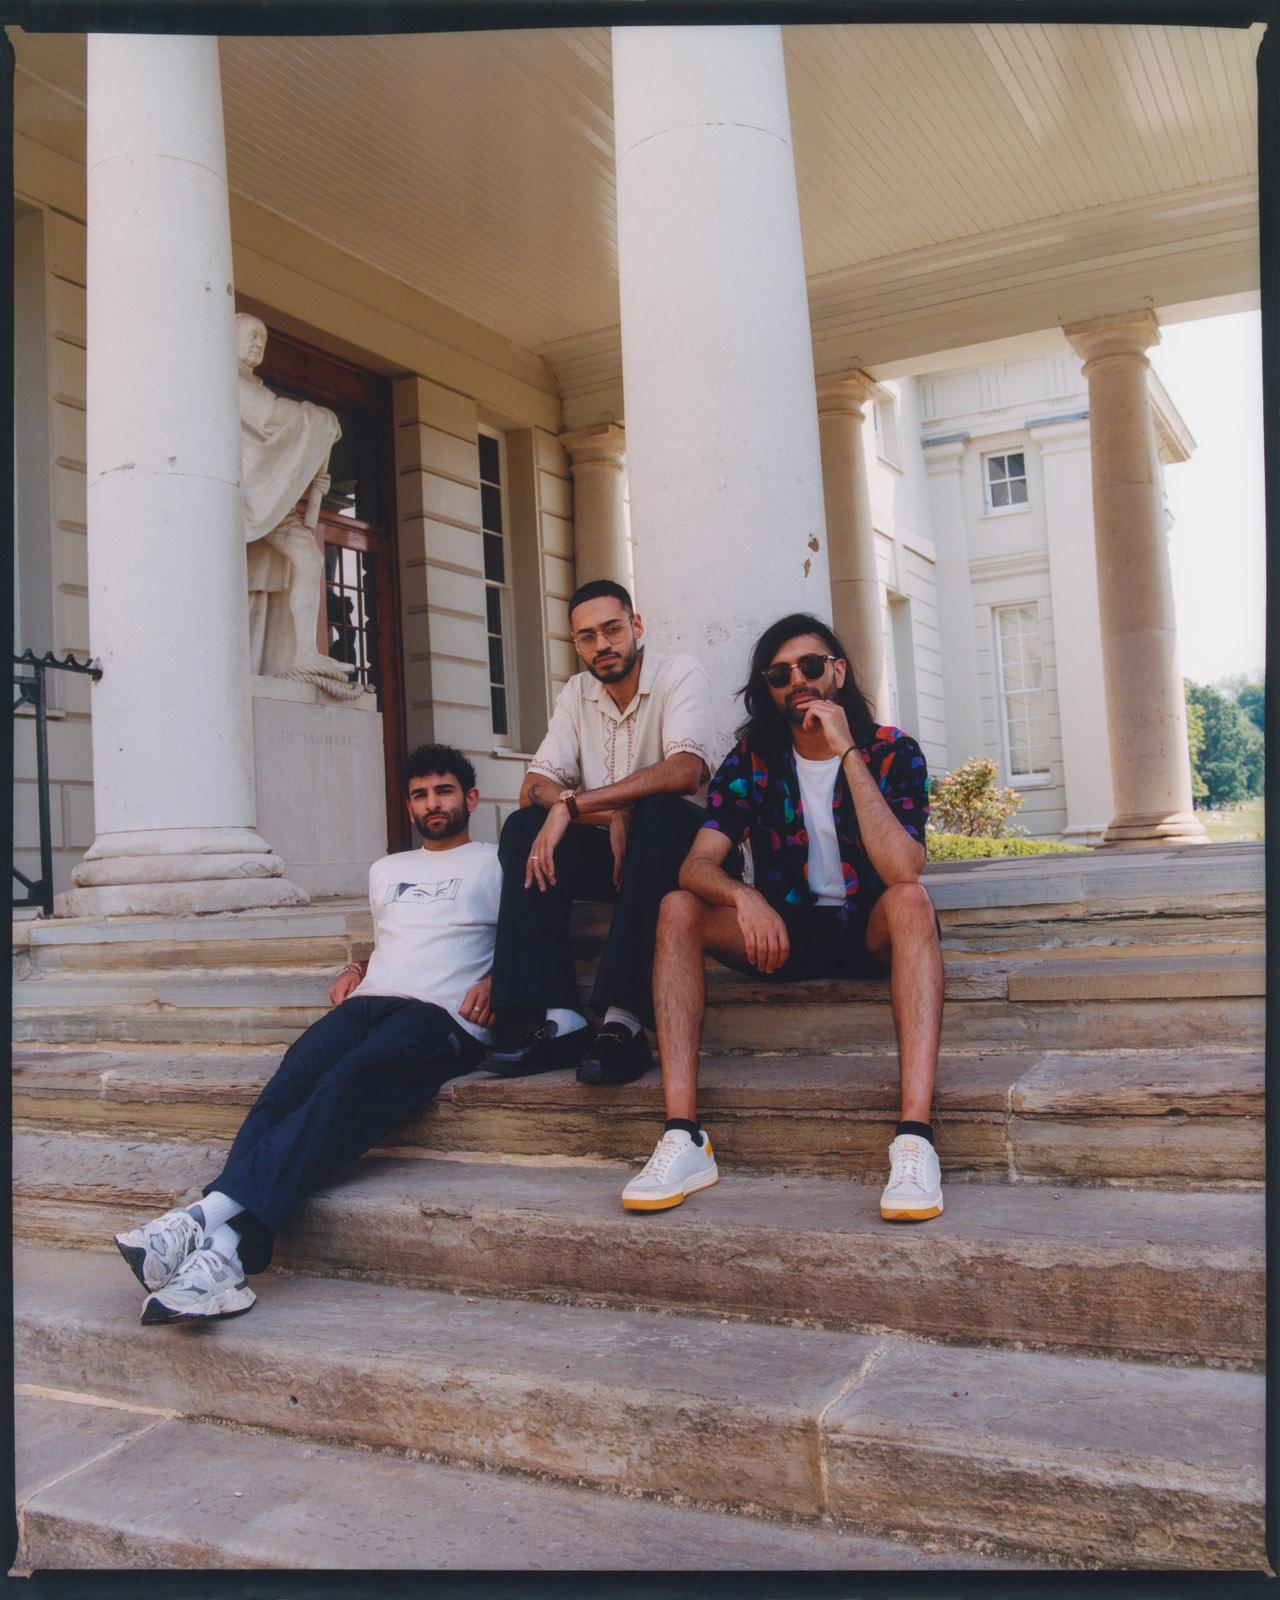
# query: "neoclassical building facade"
[661,304]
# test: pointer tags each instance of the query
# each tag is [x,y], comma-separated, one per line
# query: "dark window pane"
[493,606]
[995,467]
[496,674]
[489,459]
[493,568]
[1018,489]
[491,508]
[498,704]
[999,494]
[1016,469]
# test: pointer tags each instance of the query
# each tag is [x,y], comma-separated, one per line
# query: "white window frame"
[989,510]
[884,423]
[1039,779]
[508,740]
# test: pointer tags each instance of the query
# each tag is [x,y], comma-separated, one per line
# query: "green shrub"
[964,847]
[970,801]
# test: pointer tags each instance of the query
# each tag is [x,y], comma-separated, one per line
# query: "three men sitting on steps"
[411,1017]
[601,818]
[834,809]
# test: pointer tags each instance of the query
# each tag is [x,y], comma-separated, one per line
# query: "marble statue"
[284,448]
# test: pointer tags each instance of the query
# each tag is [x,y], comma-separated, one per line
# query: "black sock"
[691,1128]
[922,1130]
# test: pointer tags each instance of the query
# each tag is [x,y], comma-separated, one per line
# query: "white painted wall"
[1008,554]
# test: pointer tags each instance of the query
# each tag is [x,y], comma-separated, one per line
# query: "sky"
[1217,548]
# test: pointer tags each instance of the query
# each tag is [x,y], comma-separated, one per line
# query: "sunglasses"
[811,667]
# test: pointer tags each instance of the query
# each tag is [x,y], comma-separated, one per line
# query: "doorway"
[356,531]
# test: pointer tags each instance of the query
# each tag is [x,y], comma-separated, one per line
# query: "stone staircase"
[511,1372]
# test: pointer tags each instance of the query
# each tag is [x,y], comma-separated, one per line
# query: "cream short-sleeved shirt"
[590,743]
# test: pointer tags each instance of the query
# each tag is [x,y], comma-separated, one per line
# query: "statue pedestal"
[320,784]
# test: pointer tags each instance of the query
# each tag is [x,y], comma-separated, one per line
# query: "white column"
[856,591]
[722,430]
[1146,712]
[601,539]
[944,461]
[1077,630]
[172,722]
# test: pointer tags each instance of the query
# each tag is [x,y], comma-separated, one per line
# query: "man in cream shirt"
[602,817]
[413,1016]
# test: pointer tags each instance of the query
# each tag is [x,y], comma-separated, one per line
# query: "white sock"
[566,1021]
[216,1209]
[628,1019]
[226,1241]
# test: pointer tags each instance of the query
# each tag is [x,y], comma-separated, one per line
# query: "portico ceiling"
[955,182]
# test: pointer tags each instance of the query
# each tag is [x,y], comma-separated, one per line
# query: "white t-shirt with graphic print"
[435,917]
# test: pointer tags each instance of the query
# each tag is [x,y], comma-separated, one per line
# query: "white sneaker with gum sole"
[677,1168]
[914,1190]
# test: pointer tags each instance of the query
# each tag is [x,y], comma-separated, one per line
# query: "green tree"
[1252,700]
[1195,744]
[1230,758]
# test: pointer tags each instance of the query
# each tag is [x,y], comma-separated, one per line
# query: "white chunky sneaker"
[677,1168]
[914,1190]
[207,1286]
[156,1250]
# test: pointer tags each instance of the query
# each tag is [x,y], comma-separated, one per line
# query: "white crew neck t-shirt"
[435,918]
[817,793]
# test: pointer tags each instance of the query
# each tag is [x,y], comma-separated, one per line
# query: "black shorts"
[826,942]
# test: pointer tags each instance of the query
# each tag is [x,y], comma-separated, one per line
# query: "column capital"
[603,443]
[845,393]
[1128,333]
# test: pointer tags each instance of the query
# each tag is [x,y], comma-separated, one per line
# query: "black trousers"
[533,964]
[340,1089]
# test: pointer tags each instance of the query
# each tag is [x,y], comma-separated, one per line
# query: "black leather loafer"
[541,1050]
[616,1055]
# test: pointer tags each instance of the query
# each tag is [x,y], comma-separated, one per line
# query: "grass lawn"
[1245,821]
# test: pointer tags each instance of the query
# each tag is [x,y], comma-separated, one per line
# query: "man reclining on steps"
[834,808]
[411,1017]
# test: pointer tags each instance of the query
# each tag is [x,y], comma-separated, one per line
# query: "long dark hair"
[766,729]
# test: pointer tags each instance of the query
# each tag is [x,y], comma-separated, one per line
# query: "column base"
[1177,827]
[1090,833]
[193,898]
[178,871]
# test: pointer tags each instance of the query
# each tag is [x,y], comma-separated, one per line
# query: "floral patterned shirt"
[751,797]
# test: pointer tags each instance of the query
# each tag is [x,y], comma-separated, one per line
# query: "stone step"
[1065,1457]
[1164,977]
[1142,1274]
[1150,1117]
[1081,1004]
[135,945]
[1150,895]
[99,1488]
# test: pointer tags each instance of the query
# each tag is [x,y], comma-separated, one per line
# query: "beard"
[447,824]
[624,664]
[796,713]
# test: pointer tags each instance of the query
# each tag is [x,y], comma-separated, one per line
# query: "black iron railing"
[30,689]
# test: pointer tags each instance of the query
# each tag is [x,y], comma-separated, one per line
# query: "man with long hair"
[833,808]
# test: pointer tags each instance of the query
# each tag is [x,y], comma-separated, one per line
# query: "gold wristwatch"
[571,803]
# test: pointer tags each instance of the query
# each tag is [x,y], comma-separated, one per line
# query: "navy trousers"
[340,1089]
[533,967]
